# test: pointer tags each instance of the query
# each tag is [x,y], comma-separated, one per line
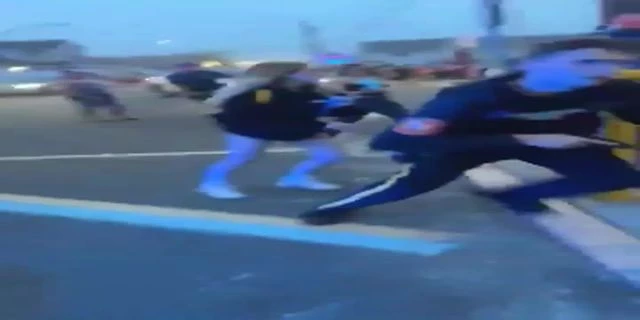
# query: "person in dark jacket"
[255,112]
[90,96]
[481,122]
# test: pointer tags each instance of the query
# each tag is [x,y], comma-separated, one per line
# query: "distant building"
[416,51]
[44,52]
[612,8]
[421,51]
[160,61]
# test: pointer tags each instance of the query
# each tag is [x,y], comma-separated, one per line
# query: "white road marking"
[398,240]
[133,155]
[356,147]
[613,248]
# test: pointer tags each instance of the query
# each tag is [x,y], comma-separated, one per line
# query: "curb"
[613,214]
[604,243]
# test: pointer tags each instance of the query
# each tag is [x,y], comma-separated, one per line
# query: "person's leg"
[584,171]
[420,177]
[86,110]
[241,151]
[117,110]
[321,153]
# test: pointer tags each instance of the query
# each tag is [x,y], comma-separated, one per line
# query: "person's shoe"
[305,182]
[517,206]
[220,191]
[124,118]
[90,117]
[321,217]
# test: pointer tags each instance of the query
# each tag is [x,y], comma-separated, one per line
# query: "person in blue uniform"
[255,112]
[90,96]
[477,123]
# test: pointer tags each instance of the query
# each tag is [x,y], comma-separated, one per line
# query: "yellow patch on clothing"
[263,96]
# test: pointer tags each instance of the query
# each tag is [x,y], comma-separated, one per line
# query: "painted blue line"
[307,235]
[632,275]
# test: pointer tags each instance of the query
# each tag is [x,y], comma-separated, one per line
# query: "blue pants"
[584,171]
[243,150]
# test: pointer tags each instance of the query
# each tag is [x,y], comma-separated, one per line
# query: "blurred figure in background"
[196,84]
[89,96]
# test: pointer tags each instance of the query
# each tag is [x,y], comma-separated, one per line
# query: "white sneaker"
[220,191]
[305,182]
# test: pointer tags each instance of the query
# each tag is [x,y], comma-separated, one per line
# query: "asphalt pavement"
[136,242]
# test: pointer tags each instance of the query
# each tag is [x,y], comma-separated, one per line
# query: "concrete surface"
[56,268]
[570,222]
[623,215]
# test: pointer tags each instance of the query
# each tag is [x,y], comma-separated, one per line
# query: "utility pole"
[494,20]
[311,41]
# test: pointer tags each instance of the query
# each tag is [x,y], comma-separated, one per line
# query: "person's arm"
[241,85]
[579,123]
[392,140]
[350,118]
[549,134]
[382,106]
[456,103]
[347,114]
[426,130]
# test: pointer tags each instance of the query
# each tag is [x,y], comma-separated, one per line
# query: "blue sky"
[268,28]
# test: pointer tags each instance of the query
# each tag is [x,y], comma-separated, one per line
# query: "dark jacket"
[470,105]
[198,84]
[287,115]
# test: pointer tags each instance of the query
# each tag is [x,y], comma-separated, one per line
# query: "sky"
[255,29]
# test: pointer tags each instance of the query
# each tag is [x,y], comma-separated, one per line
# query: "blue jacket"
[471,105]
